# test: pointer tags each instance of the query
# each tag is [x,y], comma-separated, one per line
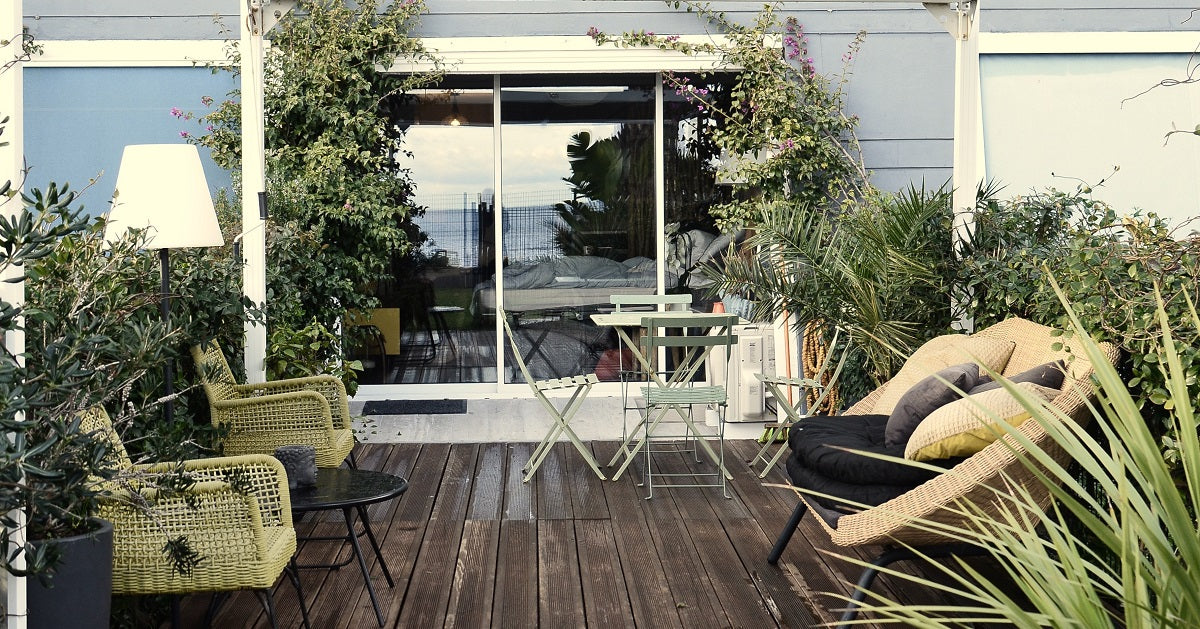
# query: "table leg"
[366,522]
[362,563]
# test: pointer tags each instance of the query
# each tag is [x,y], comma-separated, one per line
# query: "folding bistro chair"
[798,408]
[631,372]
[582,385]
[676,388]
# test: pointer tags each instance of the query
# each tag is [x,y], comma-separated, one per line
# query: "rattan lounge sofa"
[891,522]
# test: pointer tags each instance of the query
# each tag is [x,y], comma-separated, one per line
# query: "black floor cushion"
[824,444]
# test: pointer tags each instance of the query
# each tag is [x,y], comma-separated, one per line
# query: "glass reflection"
[428,331]
[578,216]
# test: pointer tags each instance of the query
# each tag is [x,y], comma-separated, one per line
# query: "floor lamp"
[161,188]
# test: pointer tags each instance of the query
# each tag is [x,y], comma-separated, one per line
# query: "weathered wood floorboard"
[471,545]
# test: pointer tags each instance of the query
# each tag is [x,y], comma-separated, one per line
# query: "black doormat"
[415,407]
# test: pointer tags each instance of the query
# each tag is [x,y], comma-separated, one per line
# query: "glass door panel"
[431,330]
[690,163]
[578,215]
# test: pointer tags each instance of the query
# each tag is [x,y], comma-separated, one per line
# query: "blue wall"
[78,120]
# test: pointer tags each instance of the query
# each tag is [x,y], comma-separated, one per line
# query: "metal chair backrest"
[671,331]
[668,301]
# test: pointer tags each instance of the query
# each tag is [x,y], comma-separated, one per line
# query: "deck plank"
[605,593]
[560,593]
[471,545]
[553,489]
[474,573]
[516,596]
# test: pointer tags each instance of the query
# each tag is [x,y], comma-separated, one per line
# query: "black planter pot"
[80,592]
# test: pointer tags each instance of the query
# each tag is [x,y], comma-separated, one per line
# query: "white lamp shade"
[162,187]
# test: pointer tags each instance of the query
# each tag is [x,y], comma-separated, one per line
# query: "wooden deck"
[470,545]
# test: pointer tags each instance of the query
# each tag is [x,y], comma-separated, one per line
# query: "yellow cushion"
[937,354]
[966,426]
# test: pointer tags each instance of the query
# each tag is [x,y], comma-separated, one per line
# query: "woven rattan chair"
[891,524]
[237,518]
[261,417]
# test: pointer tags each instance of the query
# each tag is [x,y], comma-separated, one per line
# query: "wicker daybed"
[891,523]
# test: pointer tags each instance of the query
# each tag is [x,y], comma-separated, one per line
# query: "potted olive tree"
[81,339]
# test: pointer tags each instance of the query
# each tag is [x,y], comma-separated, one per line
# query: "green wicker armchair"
[237,518]
[260,417]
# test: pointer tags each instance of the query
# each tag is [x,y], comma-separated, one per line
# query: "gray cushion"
[925,397]
[1049,375]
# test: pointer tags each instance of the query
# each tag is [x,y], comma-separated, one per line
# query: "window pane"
[430,332]
[578,214]
[690,165]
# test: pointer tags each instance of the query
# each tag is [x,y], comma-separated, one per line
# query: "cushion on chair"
[926,396]
[823,443]
[939,353]
[966,426]
[851,493]
[1049,375]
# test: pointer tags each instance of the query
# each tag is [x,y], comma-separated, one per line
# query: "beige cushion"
[966,426]
[937,354]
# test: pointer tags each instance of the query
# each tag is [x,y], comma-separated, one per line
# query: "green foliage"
[1108,266]
[339,197]
[1139,519]
[304,352]
[93,335]
[878,271]
[781,119]
[616,177]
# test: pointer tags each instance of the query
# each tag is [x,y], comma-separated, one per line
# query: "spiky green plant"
[871,270]
[1139,568]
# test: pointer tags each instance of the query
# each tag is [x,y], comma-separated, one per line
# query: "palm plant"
[1139,567]
[872,271]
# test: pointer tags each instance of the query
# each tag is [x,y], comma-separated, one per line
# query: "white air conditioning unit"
[753,353]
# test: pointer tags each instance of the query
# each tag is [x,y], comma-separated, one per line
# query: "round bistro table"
[350,490]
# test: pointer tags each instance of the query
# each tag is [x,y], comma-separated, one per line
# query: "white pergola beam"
[257,17]
[12,167]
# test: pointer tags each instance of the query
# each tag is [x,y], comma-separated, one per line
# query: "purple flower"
[175,111]
[183,134]
[206,100]
[209,128]
[593,31]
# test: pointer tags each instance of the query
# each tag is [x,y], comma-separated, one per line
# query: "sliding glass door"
[542,217]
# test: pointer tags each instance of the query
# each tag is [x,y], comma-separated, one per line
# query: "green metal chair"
[797,408]
[236,517]
[630,373]
[562,415]
[673,389]
[261,417]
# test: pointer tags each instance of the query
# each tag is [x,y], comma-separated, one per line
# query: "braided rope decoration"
[813,354]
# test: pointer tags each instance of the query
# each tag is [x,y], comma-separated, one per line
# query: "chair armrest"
[331,387]
[219,524]
[298,410]
[257,476]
